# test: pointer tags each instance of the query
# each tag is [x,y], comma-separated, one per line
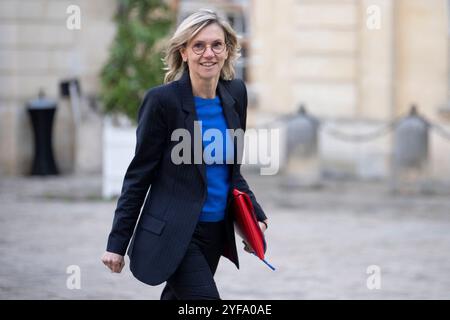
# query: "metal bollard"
[302,169]
[302,133]
[411,141]
[410,154]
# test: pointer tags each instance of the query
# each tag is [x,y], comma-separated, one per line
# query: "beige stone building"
[359,63]
[356,64]
[350,58]
[40,46]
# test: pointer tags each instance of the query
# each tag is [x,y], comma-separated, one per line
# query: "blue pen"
[268,264]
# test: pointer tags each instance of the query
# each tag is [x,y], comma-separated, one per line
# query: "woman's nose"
[208,52]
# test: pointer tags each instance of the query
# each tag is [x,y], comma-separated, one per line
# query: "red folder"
[246,224]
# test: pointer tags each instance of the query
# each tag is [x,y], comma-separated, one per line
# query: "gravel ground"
[321,240]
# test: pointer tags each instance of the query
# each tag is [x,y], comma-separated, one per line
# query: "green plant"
[134,64]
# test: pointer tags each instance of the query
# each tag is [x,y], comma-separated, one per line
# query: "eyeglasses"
[200,47]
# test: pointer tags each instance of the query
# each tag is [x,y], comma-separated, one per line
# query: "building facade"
[357,63]
[40,47]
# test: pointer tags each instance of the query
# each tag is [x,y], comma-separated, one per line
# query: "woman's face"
[206,53]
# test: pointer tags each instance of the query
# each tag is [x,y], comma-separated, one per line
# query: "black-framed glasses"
[200,47]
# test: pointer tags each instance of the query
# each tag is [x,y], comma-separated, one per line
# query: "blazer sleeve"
[241,183]
[151,136]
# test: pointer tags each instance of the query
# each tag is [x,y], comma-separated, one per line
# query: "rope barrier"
[362,137]
[440,130]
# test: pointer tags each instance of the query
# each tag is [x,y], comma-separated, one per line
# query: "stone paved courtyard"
[321,240]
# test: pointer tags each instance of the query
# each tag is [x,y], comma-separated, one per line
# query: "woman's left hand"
[262,226]
[263,229]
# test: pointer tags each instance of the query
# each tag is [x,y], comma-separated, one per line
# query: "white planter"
[118,150]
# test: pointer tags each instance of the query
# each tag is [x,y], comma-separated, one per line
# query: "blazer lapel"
[228,105]
[191,124]
[231,116]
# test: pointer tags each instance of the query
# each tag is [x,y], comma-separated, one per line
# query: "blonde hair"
[188,29]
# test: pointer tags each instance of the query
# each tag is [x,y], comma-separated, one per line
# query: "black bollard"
[42,113]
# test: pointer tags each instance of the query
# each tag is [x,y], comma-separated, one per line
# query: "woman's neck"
[204,89]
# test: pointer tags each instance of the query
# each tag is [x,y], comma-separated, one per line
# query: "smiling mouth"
[207,64]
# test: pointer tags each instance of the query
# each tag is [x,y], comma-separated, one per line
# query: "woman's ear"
[226,53]
[183,54]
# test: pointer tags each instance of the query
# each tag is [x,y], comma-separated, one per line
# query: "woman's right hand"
[113,261]
[247,247]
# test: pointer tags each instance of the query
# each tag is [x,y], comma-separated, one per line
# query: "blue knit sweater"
[209,112]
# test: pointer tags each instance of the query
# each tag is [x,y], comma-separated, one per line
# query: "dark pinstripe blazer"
[177,192]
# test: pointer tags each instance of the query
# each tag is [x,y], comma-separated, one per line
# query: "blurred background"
[358,89]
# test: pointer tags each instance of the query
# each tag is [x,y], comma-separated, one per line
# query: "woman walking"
[186,223]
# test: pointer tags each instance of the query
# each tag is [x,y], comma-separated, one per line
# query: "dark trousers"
[194,277]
